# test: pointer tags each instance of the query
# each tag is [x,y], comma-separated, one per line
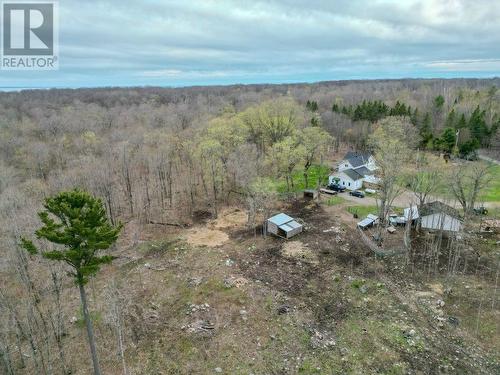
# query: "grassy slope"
[492,192]
[357,302]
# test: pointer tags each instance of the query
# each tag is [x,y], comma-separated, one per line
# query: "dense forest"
[141,149]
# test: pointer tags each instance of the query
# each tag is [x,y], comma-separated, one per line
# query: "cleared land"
[321,303]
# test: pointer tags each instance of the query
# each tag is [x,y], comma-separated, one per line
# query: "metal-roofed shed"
[368,221]
[283,225]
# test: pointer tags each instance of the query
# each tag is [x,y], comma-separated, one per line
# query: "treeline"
[456,133]
[372,111]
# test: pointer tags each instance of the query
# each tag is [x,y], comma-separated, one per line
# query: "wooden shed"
[310,194]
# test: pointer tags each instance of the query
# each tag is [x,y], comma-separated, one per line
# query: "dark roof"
[357,158]
[353,174]
[364,171]
[438,207]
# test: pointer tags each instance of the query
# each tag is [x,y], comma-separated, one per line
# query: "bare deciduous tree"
[466,183]
[392,142]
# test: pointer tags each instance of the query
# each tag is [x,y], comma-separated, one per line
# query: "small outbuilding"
[369,221]
[310,194]
[397,220]
[411,213]
[283,225]
[438,216]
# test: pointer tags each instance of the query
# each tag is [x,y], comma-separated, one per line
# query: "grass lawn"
[335,200]
[492,192]
[362,211]
[493,212]
[315,172]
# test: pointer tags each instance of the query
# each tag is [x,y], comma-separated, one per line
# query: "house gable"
[348,178]
[355,159]
[356,168]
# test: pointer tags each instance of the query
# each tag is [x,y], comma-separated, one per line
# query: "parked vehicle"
[357,193]
[327,191]
[481,211]
[336,187]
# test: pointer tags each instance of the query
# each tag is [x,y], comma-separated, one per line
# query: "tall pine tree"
[76,223]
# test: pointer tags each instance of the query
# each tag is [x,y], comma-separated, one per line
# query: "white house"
[355,159]
[354,169]
[348,178]
[439,216]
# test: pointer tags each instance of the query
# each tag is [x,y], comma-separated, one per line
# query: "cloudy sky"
[199,42]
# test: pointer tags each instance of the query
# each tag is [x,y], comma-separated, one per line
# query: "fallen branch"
[168,224]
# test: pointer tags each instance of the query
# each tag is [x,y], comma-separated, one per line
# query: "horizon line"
[33,88]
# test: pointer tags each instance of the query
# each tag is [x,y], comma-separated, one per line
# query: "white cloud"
[467,65]
[162,42]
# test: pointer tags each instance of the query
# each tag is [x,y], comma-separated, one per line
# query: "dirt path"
[403,200]
[487,158]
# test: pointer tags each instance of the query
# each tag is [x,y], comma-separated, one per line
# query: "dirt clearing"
[297,250]
[206,237]
[230,219]
[213,234]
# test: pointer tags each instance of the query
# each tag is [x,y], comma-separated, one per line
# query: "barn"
[283,225]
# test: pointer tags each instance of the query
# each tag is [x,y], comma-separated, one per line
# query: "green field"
[335,200]
[492,192]
[362,211]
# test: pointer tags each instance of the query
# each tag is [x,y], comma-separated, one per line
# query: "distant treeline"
[372,111]
[460,134]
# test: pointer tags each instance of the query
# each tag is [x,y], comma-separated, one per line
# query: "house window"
[346,165]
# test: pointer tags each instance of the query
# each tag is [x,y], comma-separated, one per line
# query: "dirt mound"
[297,250]
[206,237]
[230,218]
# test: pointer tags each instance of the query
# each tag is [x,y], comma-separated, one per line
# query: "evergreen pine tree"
[450,119]
[425,130]
[77,223]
